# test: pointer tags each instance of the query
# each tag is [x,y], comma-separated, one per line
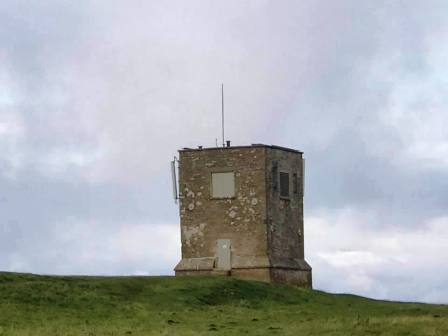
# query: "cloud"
[12,134]
[143,77]
[88,247]
[392,263]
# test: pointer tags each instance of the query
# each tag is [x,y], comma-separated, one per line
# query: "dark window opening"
[284,184]
[295,181]
[274,175]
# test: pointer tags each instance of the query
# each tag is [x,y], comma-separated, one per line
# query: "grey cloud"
[49,226]
[345,174]
[46,201]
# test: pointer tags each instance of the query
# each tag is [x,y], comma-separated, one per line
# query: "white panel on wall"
[223,185]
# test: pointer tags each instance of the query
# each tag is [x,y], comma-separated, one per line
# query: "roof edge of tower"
[286,149]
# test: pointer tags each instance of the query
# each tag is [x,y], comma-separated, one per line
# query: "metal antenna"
[174,179]
[222,113]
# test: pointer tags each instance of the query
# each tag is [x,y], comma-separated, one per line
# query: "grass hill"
[49,305]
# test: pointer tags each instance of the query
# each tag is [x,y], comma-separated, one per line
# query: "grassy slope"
[41,305]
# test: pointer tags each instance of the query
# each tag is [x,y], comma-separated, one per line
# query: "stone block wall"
[285,214]
[204,220]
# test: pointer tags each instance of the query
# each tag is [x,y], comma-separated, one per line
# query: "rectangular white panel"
[223,185]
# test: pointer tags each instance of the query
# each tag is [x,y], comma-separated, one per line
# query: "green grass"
[43,305]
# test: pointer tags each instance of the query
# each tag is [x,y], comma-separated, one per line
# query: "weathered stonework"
[263,230]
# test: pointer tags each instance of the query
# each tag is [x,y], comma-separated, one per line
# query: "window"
[295,187]
[284,184]
[223,185]
[274,175]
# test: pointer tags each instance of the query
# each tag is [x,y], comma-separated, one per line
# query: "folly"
[241,212]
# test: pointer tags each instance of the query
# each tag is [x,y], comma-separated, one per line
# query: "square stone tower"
[241,212]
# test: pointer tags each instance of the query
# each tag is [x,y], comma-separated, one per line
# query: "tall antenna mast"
[222,113]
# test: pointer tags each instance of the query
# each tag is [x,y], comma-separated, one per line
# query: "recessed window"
[295,182]
[274,175]
[284,184]
[223,185]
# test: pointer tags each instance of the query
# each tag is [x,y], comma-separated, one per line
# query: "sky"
[96,97]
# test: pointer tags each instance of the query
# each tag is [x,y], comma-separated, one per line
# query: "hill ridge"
[32,304]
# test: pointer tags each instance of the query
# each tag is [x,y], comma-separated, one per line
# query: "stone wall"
[295,277]
[285,215]
[241,219]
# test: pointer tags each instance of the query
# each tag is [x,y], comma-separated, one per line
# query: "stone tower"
[241,212]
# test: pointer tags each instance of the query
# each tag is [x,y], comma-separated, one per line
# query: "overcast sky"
[96,97]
